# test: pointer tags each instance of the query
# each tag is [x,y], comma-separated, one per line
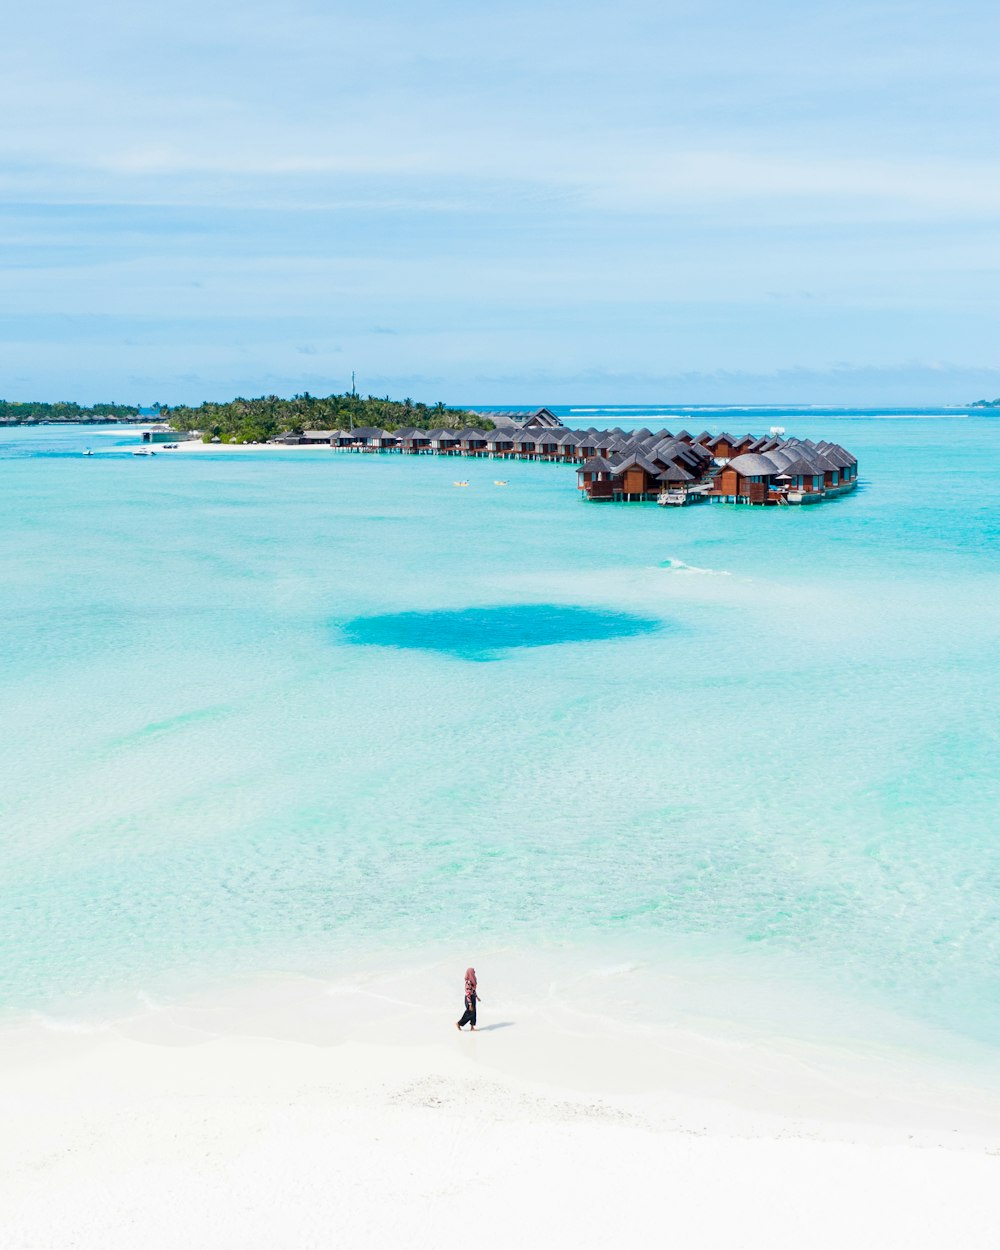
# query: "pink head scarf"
[470,978]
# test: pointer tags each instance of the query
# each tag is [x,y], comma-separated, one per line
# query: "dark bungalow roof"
[596,464]
[684,436]
[471,434]
[690,453]
[319,436]
[501,436]
[752,464]
[520,416]
[803,468]
[444,436]
[704,437]
[781,456]
[674,473]
[731,439]
[635,461]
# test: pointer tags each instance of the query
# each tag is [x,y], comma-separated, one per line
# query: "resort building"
[635,465]
[542,418]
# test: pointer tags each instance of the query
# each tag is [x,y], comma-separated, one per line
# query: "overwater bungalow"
[371,438]
[594,477]
[525,446]
[723,446]
[472,442]
[638,465]
[500,442]
[571,444]
[801,477]
[444,442]
[546,445]
[635,477]
[413,442]
[746,478]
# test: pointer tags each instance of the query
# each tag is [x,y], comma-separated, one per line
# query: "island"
[31,412]
[269,417]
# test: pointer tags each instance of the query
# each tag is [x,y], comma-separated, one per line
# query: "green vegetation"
[34,413]
[257,420]
[986,403]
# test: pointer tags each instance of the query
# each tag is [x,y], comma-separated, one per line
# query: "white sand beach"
[358,1119]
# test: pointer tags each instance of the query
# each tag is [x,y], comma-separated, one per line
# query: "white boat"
[144,451]
[88,452]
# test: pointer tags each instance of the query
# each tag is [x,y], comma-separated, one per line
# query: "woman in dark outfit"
[471,998]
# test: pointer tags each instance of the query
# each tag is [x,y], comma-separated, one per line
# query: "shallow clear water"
[291,710]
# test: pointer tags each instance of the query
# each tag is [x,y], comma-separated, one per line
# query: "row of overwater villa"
[631,465]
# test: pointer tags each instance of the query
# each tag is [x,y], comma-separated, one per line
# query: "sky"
[524,203]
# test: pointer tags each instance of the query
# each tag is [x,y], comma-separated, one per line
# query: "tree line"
[32,412]
[257,420]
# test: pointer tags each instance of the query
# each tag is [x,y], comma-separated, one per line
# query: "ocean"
[309,712]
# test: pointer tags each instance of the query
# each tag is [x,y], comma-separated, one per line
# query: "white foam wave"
[680,566]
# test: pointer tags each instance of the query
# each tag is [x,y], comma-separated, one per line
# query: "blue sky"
[545,202]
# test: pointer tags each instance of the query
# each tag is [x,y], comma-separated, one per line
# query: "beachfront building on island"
[538,418]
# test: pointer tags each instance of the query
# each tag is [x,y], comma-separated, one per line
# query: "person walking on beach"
[471,998]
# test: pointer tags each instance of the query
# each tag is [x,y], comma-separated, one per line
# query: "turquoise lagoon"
[305,712]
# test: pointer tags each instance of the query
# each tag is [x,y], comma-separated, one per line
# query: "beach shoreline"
[289,1108]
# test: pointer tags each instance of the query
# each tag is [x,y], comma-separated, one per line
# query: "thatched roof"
[753,464]
[635,461]
[801,468]
[675,473]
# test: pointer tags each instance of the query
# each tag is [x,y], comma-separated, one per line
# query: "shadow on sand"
[501,1024]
